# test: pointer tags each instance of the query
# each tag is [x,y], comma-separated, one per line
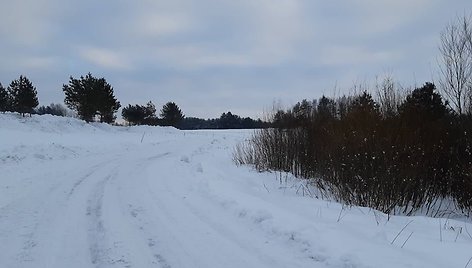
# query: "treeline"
[21,97]
[225,121]
[92,99]
[171,115]
[399,154]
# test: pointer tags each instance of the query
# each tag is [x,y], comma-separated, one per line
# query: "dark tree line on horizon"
[227,120]
[171,115]
[92,99]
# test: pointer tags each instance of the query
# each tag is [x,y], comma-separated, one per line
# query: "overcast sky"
[213,56]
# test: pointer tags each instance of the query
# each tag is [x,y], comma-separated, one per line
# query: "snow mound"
[58,124]
[48,137]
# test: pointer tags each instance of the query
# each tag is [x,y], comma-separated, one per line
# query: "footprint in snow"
[185,159]
[199,168]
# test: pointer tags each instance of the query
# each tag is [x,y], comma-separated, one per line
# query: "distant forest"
[226,121]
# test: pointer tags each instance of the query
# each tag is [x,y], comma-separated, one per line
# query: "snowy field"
[91,195]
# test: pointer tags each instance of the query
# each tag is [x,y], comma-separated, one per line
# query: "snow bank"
[52,137]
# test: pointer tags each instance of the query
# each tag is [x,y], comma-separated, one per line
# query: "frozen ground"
[81,195]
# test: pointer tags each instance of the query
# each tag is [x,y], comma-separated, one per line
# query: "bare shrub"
[412,159]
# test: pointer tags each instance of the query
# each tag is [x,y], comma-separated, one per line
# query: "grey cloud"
[211,55]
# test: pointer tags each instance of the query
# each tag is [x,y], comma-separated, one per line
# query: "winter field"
[91,195]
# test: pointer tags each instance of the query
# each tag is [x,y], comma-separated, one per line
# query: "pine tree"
[229,120]
[133,114]
[140,114]
[90,96]
[423,105]
[149,111]
[23,95]
[78,96]
[107,104]
[326,108]
[4,99]
[363,111]
[171,114]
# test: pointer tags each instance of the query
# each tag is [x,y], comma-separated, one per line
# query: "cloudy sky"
[212,56]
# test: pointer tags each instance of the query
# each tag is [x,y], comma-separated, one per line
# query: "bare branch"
[456,63]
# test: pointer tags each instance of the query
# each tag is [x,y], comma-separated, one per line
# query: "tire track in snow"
[140,218]
[81,180]
[135,234]
[207,225]
[97,232]
[33,217]
[173,199]
[92,171]
[166,215]
[107,245]
[154,157]
[25,255]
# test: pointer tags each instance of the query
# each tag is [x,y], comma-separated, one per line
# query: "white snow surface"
[92,195]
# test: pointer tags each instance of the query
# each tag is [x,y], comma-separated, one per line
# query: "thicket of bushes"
[397,154]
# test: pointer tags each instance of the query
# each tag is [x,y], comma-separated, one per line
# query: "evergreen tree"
[134,114]
[23,95]
[171,114]
[78,96]
[107,104]
[423,105]
[363,112]
[229,121]
[150,117]
[326,108]
[90,96]
[302,111]
[4,99]
[138,114]
[150,110]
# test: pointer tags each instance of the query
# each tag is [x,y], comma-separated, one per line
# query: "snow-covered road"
[126,205]
[76,195]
